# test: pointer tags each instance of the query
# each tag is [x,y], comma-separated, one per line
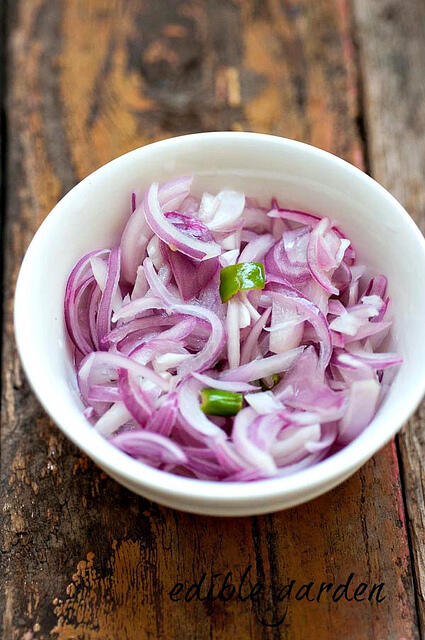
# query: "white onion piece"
[287,327]
[222,213]
[231,242]
[154,252]
[207,207]
[232,328]
[257,249]
[113,419]
[169,361]
[140,285]
[229,257]
[263,402]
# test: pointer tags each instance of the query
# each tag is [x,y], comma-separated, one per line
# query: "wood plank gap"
[361,125]
[415,575]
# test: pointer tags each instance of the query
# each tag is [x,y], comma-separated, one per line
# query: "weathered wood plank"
[392,44]
[83,558]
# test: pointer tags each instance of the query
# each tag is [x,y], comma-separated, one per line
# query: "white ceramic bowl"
[92,215]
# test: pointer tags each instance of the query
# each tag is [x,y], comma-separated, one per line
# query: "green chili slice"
[220,403]
[241,277]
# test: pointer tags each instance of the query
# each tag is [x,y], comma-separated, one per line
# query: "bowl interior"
[93,215]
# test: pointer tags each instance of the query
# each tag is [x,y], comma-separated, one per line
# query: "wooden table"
[87,80]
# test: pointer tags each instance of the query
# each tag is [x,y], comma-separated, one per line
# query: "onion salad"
[225,340]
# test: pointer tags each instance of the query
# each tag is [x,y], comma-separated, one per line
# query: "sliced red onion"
[370,329]
[278,263]
[215,341]
[262,368]
[228,458]
[248,348]
[373,360]
[355,318]
[149,446]
[215,383]
[190,205]
[189,226]
[310,220]
[195,421]
[137,232]
[134,308]
[316,265]
[103,393]
[294,443]
[255,219]
[165,362]
[305,388]
[342,277]
[105,305]
[174,192]
[245,443]
[328,405]
[113,419]
[361,407]
[309,461]
[89,413]
[166,342]
[257,248]
[328,436]
[294,216]
[295,242]
[316,294]
[105,360]
[79,275]
[336,308]
[155,347]
[229,257]
[287,326]
[162,421]
[249,306]
[338,339]
[170,234]
[136,401]
[315,317]
[141,325]
[264,402]
[93,307]
[200,272]
[100,272]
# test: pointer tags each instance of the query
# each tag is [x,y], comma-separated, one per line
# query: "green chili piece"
[220,403]
[241,277]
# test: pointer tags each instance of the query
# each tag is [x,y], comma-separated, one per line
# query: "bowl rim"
[314,480]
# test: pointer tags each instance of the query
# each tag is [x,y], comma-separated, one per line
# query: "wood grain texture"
[392,45]
[82,557]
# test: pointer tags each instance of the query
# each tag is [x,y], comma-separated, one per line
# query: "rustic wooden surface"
[87,80]
[392,45]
